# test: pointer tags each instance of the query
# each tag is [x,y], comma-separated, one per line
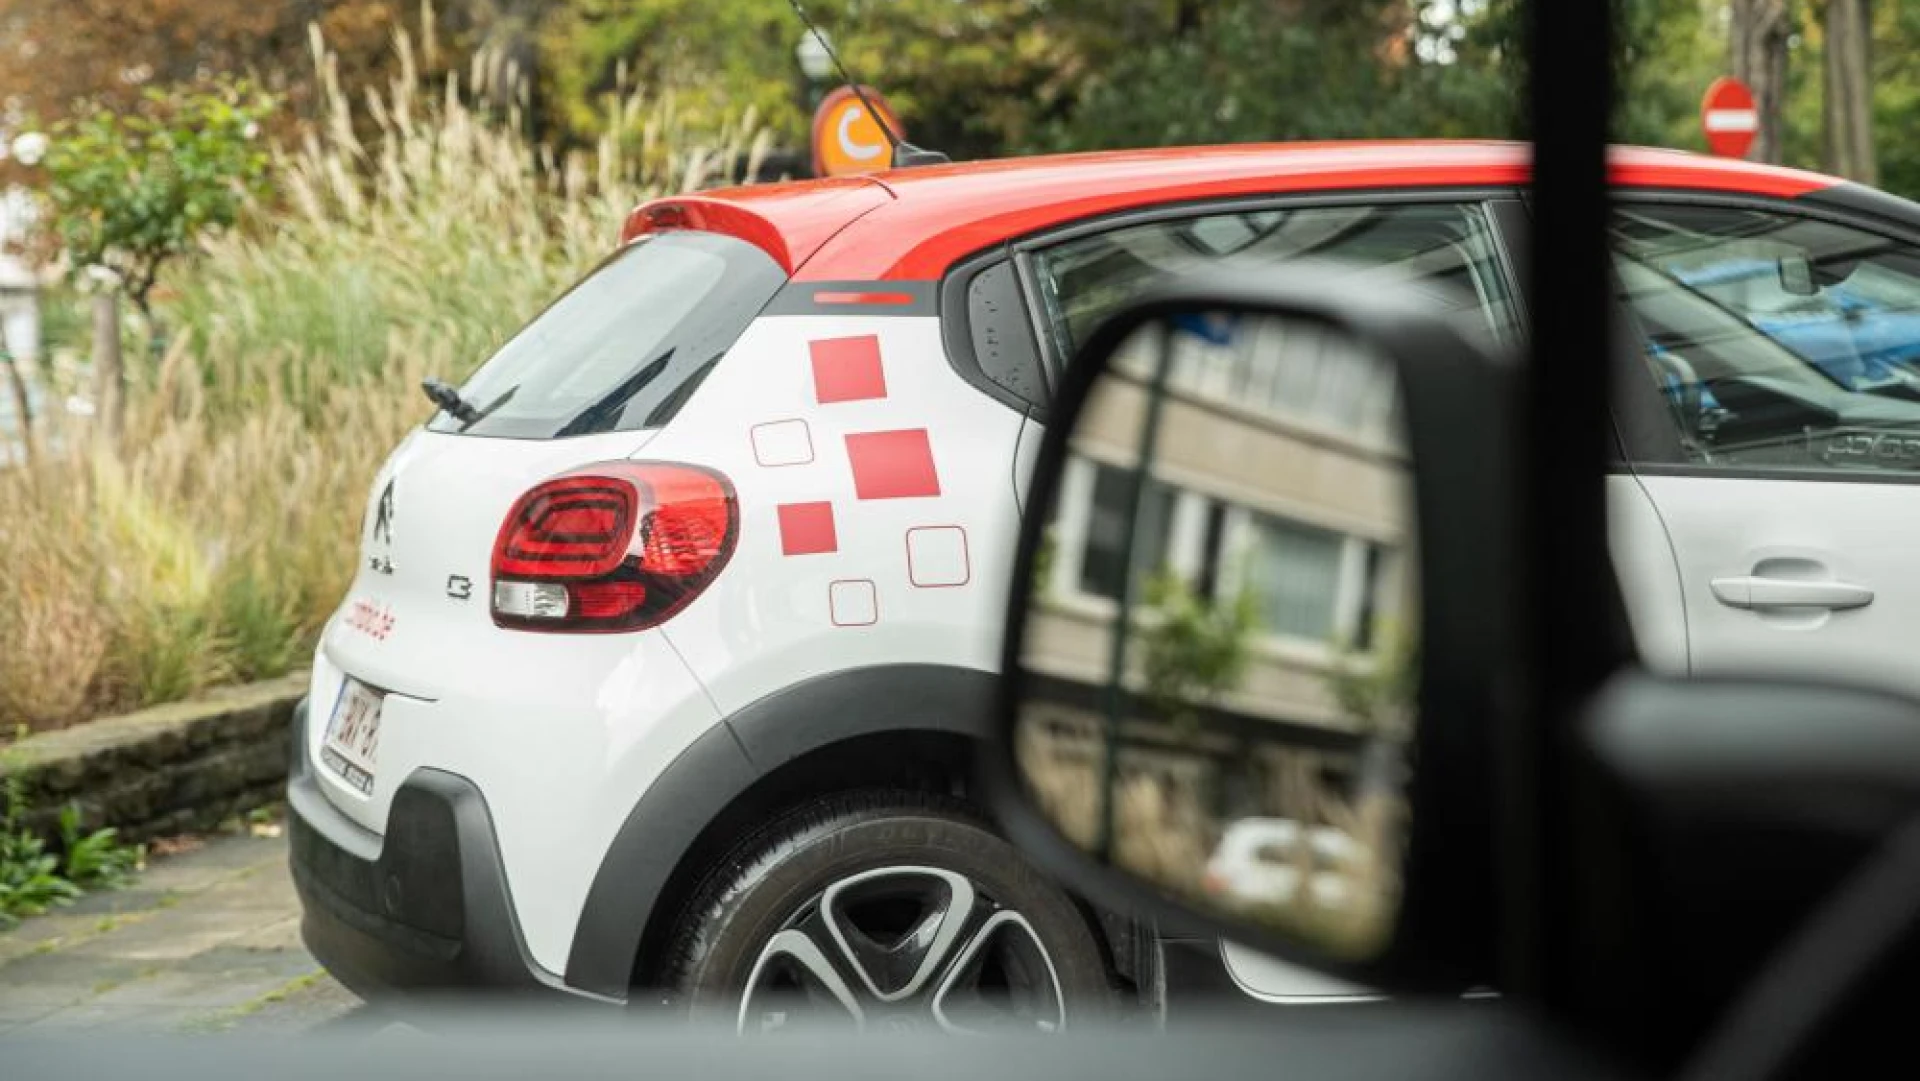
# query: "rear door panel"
[1776,432]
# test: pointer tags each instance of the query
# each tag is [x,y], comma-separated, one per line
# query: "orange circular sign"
[846,139]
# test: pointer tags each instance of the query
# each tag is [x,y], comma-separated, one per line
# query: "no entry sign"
[1729,119]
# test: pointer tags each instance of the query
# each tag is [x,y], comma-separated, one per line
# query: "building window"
[1109,524]
[1294,573]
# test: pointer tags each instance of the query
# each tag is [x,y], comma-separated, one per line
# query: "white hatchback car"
[1259,862]
[674,632]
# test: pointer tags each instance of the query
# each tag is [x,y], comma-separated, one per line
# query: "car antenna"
[905,154]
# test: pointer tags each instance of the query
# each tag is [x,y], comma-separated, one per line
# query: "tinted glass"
[1444,249]
[627,346]
[1777,340]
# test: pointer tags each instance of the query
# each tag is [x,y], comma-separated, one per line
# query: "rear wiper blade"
[442,394]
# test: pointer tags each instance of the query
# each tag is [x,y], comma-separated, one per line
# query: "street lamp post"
[816,63]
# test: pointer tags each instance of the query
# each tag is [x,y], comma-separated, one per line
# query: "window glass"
[627,346]
[1103,566]
[1776,340]
[1446,250]
[1294,572]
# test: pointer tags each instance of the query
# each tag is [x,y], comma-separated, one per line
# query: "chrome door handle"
[1751,592]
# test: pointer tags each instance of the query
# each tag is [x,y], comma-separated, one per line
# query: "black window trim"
[1641,417]
[956,331]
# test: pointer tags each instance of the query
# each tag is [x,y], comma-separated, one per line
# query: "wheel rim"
[905,948]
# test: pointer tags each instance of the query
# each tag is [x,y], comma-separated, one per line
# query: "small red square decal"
[807,529]
[892,465]
[847,369]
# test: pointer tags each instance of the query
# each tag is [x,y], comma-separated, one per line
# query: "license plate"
[353,735]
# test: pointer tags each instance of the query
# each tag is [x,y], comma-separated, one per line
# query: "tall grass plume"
[210,544]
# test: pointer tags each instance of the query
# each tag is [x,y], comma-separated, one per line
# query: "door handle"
[1753,592]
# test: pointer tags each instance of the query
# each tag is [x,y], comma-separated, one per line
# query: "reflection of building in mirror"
[1267,563]
[1306,373]
[1306,527]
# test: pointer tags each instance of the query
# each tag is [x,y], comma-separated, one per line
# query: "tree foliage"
[1193,648]
[131,190]
[108,53]
[979,78]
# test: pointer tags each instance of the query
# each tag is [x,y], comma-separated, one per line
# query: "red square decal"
[847,369]
[807,529]
[892,465]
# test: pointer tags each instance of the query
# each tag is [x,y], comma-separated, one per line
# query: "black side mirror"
[1245,692]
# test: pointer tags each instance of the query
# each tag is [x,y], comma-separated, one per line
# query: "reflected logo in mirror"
[1219,661]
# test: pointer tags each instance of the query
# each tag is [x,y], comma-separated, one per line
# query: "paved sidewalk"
[206,940]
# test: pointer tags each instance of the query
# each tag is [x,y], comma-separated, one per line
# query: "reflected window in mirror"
[1221,629]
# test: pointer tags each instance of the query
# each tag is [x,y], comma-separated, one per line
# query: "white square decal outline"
[944,567]
[778,443]
[871,602]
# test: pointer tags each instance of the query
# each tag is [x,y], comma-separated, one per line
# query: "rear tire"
[885,910]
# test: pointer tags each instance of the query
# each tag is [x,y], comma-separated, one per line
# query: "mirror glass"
[1219,655]
[1796,276]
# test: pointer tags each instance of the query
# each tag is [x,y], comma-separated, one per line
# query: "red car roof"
[912,224]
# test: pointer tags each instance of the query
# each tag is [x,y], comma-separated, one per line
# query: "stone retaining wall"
[171,769]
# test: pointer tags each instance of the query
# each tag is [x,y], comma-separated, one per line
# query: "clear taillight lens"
[618,546]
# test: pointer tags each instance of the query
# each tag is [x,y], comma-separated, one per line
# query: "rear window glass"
[624,348]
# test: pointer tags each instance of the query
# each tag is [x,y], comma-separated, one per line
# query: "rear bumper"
[422,911]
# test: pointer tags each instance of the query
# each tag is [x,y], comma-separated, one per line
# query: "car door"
[1774,423]
[1321,585]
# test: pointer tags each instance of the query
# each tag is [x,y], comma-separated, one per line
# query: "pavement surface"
[206,940]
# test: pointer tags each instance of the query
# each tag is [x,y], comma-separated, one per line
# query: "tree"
[108,53]
[1848,102]
[972,79]
[1896,98]
[1757,39]
[131,191]
[1193,648]
[1241,70]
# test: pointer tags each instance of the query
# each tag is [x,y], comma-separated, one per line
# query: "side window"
[1447,249]
[1774,340]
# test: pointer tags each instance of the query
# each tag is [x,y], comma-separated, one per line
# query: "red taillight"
[567,527]
[612,547]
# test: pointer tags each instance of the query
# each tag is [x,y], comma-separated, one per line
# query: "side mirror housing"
[1245,692]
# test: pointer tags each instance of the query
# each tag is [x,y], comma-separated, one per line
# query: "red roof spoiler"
[789,221]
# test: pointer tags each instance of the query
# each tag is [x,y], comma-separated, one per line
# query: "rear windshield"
[624,348]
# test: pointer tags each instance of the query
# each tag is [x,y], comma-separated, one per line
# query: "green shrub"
[95,860]
[1192,648]
[32,879]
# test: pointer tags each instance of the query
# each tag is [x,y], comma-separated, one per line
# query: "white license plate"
[353,735]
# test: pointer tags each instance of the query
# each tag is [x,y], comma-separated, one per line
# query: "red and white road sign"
[1728,117]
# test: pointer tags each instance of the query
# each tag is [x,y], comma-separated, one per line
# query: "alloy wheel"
[905,948]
